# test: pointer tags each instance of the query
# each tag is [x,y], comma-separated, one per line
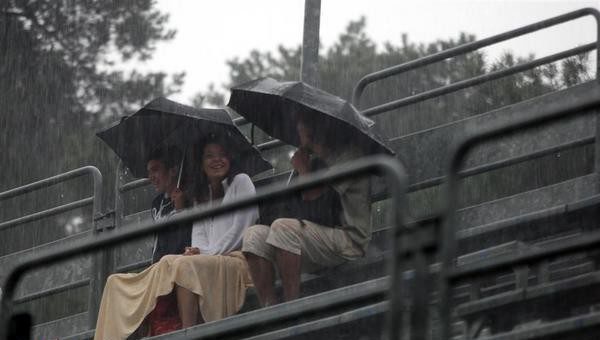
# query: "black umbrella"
[163,122]
[275,106]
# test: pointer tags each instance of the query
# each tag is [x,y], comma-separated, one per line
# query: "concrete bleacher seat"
[562,278]
[582,327]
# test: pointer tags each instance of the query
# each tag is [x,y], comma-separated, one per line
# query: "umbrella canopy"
[163,122]
[275,107]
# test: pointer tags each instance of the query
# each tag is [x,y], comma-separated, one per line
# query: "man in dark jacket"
[163,170]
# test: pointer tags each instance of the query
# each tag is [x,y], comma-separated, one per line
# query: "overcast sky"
[211,32]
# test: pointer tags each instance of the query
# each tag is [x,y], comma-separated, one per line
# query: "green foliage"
[58,84]
[58,87]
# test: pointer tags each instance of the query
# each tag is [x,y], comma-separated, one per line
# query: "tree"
[59,86]
[57,81]
[354,55]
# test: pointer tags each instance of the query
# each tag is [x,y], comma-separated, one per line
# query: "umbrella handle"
[291,176]
[181,168]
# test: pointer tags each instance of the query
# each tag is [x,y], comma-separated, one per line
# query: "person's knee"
[169,258]
[282,223]
[285,226]
[184,264]
[255,242]
[255,234]
[111,278]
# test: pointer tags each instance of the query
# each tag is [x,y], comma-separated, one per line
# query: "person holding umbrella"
[211,275]
[164,166]
[330,128]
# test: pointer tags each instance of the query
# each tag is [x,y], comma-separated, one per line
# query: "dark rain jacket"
[176,238]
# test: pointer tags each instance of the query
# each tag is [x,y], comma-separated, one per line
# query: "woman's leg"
[187,304]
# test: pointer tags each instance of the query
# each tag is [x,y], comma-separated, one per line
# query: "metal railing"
[587,104]
[96,272]
[391,168]
[470,47]
[94,200]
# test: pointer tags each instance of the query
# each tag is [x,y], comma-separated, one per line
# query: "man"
[163,170]
[293,245]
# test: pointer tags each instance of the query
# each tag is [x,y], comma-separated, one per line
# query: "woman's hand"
[178,198]
[301,161]
[191,251]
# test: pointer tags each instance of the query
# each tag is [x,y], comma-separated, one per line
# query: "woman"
[210,278]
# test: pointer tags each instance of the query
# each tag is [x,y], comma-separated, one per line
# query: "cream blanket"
[219,280]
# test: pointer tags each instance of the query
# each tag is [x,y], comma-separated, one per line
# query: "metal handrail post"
[100,262]
[390,167]
[309,63]
[459,152]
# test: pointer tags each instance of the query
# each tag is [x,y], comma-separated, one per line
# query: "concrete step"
[526,202]
[549,301]
[581,327]
[62,328]
[563,219]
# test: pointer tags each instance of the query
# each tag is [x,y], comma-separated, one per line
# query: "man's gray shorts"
[318,245]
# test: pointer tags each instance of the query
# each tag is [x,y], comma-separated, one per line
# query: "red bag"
[165,316]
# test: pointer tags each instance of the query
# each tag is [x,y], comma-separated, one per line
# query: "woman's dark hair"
[198,178]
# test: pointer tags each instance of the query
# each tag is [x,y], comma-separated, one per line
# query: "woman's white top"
[223,234]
